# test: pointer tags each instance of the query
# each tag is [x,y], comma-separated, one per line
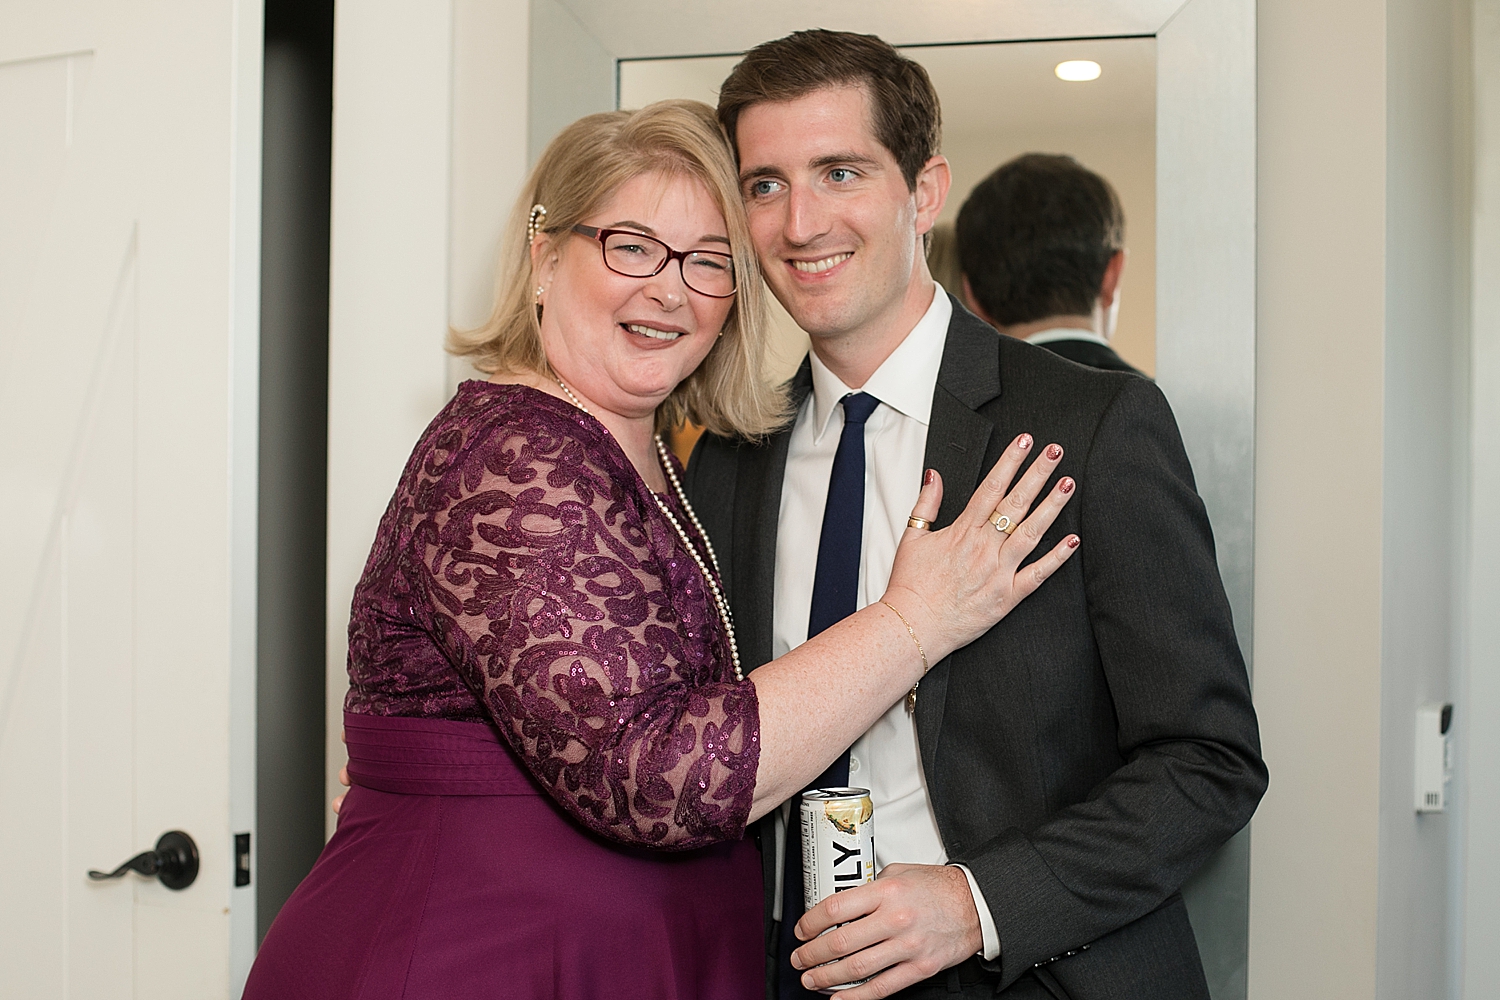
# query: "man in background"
[1041,242]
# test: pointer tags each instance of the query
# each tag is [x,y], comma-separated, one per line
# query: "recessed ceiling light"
[1077,70]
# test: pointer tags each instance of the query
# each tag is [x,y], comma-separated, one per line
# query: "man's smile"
[821,264]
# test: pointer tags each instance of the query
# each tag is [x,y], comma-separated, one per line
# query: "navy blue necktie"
[835,594]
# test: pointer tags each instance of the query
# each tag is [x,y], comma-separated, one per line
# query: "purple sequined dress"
[552,761]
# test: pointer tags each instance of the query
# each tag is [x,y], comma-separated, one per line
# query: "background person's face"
[625,342]
[834,224]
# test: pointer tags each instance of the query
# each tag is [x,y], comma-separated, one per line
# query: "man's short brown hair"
[1035,236]
[908,119]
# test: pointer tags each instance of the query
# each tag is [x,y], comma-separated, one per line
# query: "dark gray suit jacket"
[1086,352]
[1087,754]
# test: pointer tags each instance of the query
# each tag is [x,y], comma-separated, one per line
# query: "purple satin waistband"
[432,757]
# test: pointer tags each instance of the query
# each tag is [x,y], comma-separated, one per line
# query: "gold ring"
[920,523]
[1002,523]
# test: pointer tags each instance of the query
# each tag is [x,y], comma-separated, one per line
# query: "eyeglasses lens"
[641,256]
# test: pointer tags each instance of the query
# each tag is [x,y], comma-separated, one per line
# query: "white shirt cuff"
[987,929]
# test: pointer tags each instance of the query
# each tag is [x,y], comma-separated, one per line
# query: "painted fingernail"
[927,477]
[1066,486]
[1072,541]
[1024,442]
[1054,452]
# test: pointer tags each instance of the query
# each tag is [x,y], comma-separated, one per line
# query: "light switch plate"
[1432,758]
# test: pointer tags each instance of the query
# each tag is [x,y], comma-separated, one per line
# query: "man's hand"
[913,922]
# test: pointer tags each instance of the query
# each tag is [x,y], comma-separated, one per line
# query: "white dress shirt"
[885,759]
[1065,333]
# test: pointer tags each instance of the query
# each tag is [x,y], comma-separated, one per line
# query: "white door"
[129,230]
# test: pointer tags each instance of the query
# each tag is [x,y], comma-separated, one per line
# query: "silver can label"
[838,846]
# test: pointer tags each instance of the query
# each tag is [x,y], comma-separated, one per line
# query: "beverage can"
[838,846]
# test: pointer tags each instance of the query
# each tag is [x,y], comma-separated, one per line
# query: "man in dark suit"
[1053,784]
[1041,242]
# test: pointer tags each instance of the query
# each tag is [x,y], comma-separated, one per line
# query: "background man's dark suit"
[1088,754]
[1086,352]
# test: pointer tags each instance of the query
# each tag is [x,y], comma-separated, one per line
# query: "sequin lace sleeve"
[523,546]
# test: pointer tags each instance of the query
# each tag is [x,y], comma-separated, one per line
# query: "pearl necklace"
[711,577]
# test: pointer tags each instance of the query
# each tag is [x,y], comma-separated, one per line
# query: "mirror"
[1001,100]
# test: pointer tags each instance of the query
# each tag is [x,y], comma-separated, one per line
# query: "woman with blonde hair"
[554,746]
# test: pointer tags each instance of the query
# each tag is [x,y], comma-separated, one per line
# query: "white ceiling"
[985,89]
[643,28]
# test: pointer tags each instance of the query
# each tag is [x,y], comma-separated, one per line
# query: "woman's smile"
[655,332]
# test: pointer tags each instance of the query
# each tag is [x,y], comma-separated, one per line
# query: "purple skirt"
[453,875]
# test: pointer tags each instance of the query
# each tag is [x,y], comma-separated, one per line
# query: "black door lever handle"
[174,862]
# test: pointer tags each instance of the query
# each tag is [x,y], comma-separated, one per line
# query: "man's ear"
[973,304]
[1110,286]
[932,192]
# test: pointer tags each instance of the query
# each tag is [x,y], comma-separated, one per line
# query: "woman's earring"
[534,222]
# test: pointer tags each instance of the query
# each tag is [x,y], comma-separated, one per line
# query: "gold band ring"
[920,523]
[1002,523]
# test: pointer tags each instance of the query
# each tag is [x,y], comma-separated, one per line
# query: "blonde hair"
[589,160]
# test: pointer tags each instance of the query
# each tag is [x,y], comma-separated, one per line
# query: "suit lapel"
[958,439]
[757,510]
[957,435]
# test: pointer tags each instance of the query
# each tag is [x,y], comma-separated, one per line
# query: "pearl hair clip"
[534,222]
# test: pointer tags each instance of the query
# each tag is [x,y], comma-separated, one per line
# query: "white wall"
[490,84]
[1360,491]
[577,78]
[1320,368]
[1476,957]
[1425,338]
[388,282]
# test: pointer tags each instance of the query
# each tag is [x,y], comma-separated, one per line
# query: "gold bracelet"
[911,632]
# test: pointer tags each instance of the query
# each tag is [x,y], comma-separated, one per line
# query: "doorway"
[297,124]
